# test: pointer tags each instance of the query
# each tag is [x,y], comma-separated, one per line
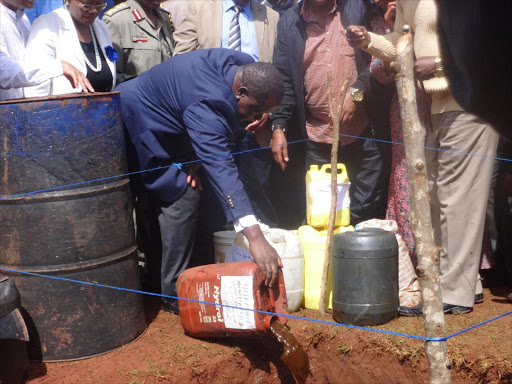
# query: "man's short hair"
[263,80]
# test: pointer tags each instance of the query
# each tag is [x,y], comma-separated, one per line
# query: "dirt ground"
[164,354]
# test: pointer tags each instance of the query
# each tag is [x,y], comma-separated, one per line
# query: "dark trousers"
[148,238]
[289,188]
[364,162]
[178,224]
[254,169]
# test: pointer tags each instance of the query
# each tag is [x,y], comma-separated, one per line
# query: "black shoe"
[417,310]
[450,309]
[479,298]
[170,306]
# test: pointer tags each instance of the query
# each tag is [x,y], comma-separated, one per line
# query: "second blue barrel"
[365,277]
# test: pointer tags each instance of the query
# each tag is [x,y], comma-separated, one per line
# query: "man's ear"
[242,91]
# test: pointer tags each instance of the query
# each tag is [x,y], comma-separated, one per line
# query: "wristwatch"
[357,94]
[278,128]
[439,67]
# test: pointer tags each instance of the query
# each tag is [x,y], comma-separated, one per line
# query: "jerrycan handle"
[340,167]
[267,322]
[272,300]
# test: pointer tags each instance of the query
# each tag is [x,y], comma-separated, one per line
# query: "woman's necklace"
[96,68]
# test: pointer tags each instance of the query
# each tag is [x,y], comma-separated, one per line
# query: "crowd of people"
[183,99]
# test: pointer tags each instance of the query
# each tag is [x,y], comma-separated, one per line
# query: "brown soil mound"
[336,354]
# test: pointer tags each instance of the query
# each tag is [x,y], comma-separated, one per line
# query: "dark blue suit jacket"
[182,108]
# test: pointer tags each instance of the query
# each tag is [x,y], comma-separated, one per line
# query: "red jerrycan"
[239,285]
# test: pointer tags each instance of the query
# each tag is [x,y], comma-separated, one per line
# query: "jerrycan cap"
[269,319]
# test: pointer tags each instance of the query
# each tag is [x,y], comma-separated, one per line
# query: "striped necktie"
[234,41]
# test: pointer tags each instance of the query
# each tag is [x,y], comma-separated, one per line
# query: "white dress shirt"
[249,41]
[14,31]
[244,222]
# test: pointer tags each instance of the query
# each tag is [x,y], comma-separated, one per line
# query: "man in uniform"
[141,33]
[184,109]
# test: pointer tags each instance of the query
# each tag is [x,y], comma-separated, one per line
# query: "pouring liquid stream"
[293,356]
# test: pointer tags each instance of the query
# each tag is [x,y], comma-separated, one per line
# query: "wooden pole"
[335,117]
[421,221]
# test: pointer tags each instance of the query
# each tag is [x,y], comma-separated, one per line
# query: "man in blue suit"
[182,110]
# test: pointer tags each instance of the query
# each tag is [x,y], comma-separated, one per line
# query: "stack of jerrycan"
[313,236]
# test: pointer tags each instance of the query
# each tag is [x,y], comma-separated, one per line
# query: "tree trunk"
[335,118]
[421,222]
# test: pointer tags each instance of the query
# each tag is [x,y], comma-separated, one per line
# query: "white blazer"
[54,37]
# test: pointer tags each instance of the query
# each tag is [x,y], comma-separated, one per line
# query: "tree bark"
[421,221]
[335,117]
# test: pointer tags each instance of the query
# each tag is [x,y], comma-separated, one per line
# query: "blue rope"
[260,311]
[180,165]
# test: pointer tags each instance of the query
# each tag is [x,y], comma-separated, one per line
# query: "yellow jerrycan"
[313,245]
[318,196]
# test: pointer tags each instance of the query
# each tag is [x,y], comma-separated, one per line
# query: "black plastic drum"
[365,277]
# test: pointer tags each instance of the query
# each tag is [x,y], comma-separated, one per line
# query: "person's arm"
[284,112]
[382,47]
[350,106]
[41,51]
[185,35]
[16,74]
[208,129]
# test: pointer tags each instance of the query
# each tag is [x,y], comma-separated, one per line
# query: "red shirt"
[327,51]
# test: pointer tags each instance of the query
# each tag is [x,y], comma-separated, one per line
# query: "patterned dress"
[399,204]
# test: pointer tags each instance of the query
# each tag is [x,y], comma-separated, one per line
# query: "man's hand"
[280,148]
[258,124]
[193,178]
[349,108]
[390,15]
[358,37]
[425,67]
[76,77]
[264,254]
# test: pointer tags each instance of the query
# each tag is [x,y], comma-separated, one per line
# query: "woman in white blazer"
[73,33]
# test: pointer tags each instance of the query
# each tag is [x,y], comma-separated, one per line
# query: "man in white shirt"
[14,31]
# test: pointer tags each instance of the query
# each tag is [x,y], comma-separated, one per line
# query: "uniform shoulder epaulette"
[166,12]
[163,9]
[117,8]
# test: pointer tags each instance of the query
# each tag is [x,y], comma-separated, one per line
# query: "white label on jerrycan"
[237,291]
[320,195]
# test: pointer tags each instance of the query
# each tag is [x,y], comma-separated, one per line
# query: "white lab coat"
[14,32]
[53,36]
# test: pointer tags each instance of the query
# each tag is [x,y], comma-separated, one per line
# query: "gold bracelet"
[439,67]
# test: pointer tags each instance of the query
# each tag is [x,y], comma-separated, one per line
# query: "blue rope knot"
[178,165]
